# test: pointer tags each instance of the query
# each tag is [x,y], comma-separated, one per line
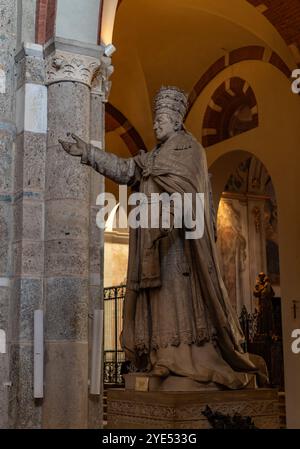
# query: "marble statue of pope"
[177,317]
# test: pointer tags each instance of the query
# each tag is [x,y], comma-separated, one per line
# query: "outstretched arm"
[122,171]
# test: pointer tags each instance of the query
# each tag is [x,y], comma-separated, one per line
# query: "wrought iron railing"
[267,345]
[249,322]
[113,361]
[114,357]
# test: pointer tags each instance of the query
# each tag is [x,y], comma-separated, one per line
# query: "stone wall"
[51,252]
[8,36]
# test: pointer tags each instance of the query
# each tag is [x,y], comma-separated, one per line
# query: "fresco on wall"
[232,247]
[238,181]
[248,187]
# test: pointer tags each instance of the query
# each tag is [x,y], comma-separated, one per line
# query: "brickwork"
[225,102]
[252,52]
[45,20]
[285,17]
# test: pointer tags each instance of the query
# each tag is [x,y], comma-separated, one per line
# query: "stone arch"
[248,233]
[111,17]
[225,167]
[249,53]
[231,111]
[221,170]
[115,120]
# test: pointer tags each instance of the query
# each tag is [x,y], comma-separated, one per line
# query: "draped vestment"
[177,312]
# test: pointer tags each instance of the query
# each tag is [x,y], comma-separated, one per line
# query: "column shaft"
[66,260]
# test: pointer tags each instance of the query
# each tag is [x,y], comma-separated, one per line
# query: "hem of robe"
[200,363]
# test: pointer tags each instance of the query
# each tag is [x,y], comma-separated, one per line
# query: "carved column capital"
[65,66]
[91,71]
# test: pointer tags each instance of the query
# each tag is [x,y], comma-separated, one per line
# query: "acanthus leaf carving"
[65,66]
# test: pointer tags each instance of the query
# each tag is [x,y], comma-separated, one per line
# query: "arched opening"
[232,110]
[248,246]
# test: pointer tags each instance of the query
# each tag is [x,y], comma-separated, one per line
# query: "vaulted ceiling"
[285,16]
[175,42]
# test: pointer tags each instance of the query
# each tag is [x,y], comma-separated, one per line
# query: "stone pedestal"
[129,409]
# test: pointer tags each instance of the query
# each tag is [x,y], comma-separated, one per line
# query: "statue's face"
[163,126]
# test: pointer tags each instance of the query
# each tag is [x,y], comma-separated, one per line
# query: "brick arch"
[116,121]
[45,20]
[285,17]
[252,53]
[221,120]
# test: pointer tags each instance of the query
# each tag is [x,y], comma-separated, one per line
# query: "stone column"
[8,31]
[99,94]
[96,241]
[28,230]
[72,270]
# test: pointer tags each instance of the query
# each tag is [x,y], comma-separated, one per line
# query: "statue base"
[131,409]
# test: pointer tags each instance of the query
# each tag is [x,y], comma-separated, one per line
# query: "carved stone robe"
[177,313]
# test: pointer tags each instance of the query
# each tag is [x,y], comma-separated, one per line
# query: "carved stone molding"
[101,84]
[65,66]
[30,65]
[192,411]
[173,410]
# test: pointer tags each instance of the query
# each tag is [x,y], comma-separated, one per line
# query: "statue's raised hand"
[76,148]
